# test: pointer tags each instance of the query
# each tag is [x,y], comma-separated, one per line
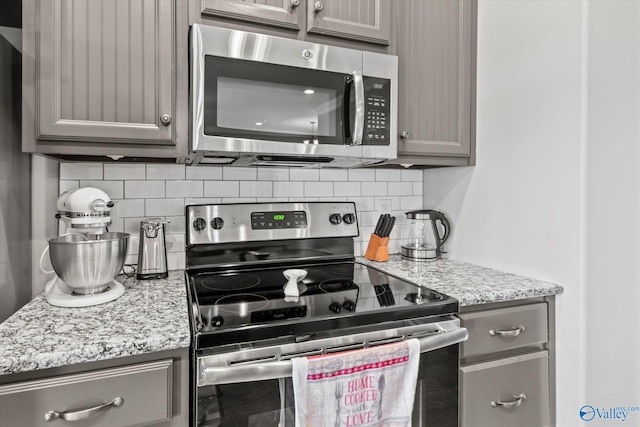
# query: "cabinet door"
[435,44]
[277,13]
[105,71]
[506,392]
[363,20]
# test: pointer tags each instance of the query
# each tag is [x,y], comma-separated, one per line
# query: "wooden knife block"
[378,248]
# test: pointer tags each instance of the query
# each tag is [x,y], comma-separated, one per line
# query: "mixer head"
[85,209]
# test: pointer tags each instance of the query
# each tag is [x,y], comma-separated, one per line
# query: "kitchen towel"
[368,387]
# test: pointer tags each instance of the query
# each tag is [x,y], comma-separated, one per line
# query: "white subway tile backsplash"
[410,202]
[162,171]
[240,174]
[144,189]
[400,188]
[128,208]
[81,171]
[204,172]
[256,189]
[414,175]
[114,189]
[163,207]
[318,189]
[387,175]
[66,184]
[334,174]
[273,174]
[342,189]
[124,171]
[288,189]
[374,188]
[176,225]
[300,174]
[362,175]
[184,188]
[221,189]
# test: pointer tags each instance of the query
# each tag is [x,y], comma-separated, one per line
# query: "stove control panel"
[246,222]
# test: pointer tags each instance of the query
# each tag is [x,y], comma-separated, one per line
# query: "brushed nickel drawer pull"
[83,414]
[511,404]
[508,333]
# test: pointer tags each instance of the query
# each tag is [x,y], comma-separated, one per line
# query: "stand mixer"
[85,256]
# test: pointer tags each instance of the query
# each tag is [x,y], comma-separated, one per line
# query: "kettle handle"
[439,216]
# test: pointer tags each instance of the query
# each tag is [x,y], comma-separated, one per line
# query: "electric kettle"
[422,238]
[152,252]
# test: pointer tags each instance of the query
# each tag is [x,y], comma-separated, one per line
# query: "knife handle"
[378,248]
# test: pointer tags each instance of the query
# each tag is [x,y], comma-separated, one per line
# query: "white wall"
[522,208]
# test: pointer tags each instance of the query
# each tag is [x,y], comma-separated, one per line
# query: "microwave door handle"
[358,125]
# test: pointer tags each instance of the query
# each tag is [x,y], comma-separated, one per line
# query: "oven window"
[255,404]
[254,100]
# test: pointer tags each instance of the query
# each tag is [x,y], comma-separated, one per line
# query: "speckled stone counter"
[470,284]
[151,316]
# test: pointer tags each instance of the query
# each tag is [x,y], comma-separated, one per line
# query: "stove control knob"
[217,321]
[199,224]
[349,305]
[335,307]
[349,218]
[217,223]
[335,219]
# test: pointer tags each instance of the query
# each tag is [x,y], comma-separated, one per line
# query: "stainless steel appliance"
[264,100]
[245,333]
[152,251]
[423,240]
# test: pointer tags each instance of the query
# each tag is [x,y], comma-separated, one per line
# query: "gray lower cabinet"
[435,41]
[506,370]
[99,78]
[367,21]
[149,393]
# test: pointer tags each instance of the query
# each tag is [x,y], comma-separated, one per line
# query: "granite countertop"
[151,316]
[470,284]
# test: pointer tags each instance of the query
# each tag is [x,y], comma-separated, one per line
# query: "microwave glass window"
[263,101]
[301,110]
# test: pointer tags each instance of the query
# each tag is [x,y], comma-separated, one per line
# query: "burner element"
[230,282]
[238,303]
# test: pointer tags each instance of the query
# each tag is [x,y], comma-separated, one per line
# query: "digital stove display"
[278,219]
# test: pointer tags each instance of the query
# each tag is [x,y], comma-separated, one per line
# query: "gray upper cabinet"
[367,21]
[435,41]
[100,77]
[277,13]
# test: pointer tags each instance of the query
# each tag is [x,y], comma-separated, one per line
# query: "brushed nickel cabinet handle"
[165,119]
[83,414]
[318,7]
[294,3]
[404,135]
[508,333]
[519,398]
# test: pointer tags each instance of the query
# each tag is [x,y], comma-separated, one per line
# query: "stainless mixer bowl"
[87,264]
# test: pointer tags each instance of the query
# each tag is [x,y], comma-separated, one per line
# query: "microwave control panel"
[377,94]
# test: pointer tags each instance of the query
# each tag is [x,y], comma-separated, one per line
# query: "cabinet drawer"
[507,392]
[145,390]
[504,329]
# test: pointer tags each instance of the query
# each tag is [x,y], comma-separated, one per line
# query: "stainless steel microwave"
[262,100]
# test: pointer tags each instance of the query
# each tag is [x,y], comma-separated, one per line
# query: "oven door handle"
[284,368]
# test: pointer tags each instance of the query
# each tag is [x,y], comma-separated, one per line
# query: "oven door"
[254,388]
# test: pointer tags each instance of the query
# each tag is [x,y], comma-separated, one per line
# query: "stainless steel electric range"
[245,332]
